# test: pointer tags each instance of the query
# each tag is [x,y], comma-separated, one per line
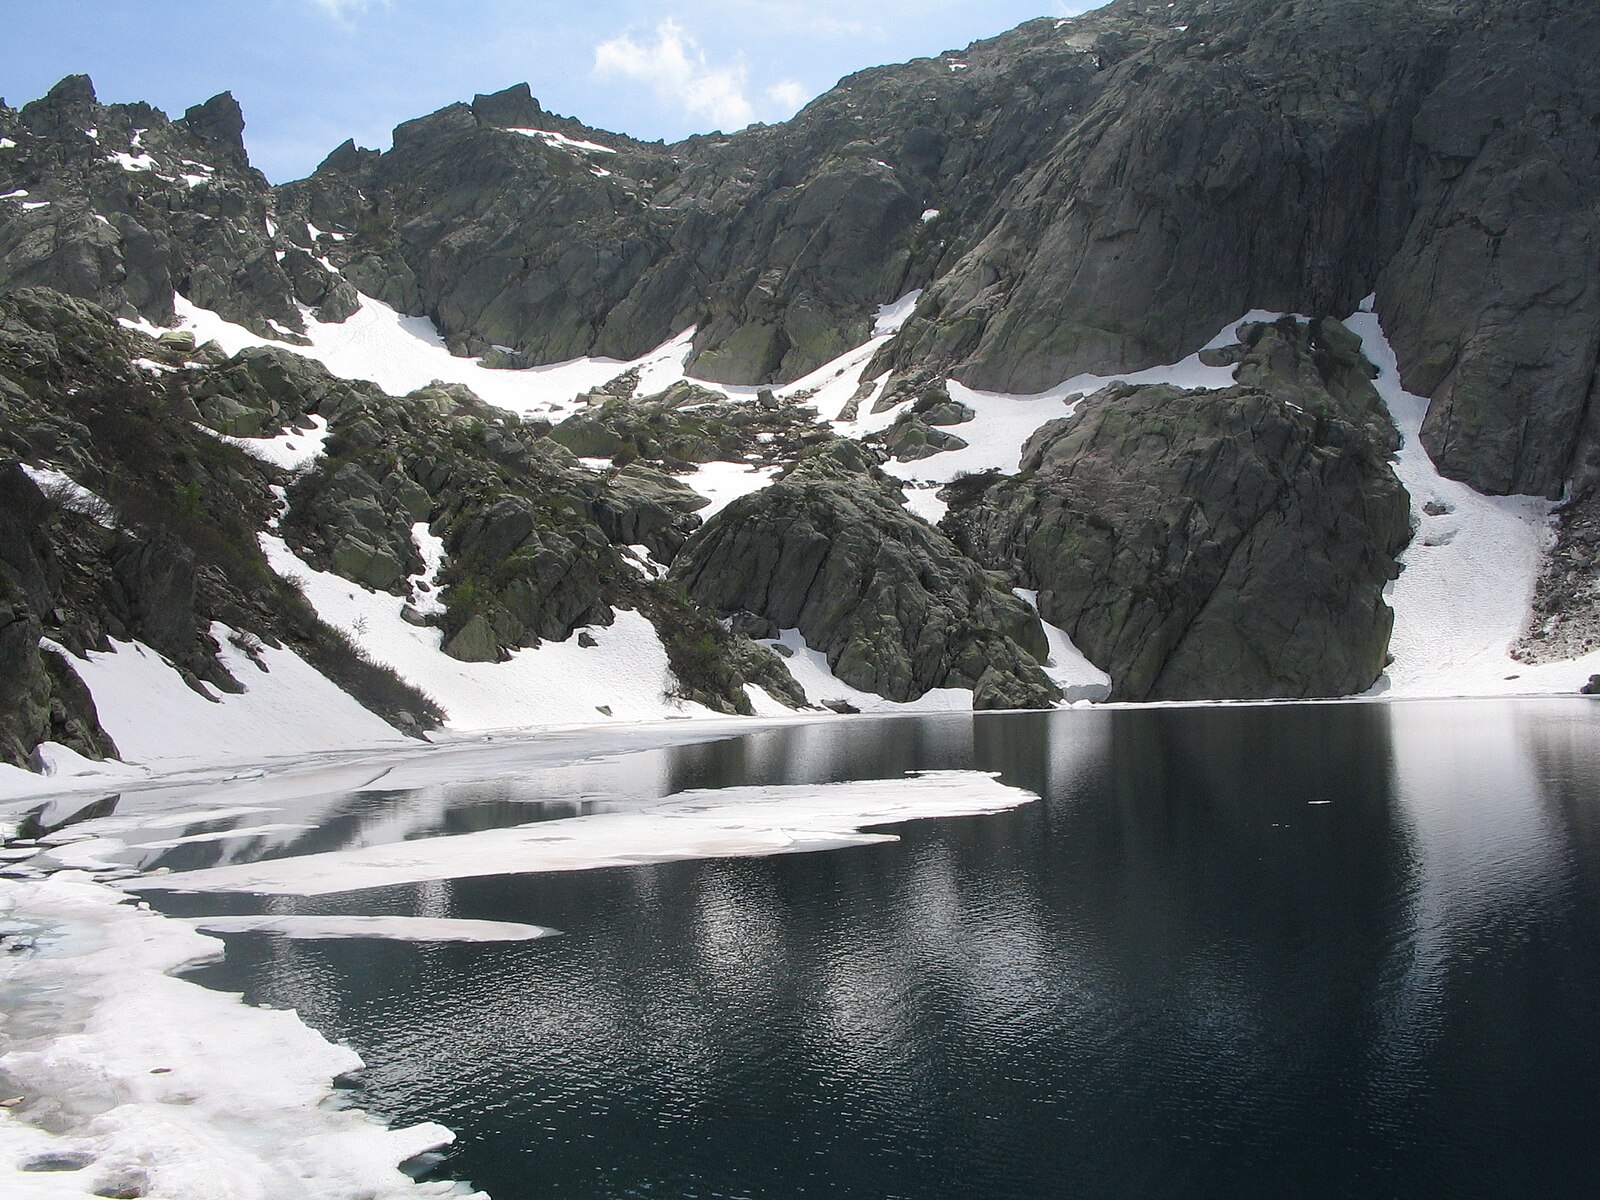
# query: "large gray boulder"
[830,550]
[1204,544]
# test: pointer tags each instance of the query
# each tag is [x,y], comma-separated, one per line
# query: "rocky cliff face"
[119,205]
[1099,194]
[1096,194]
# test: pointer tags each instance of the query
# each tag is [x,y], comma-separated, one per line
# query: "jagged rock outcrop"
[830,550]
[641,506]
[1211,544]
[41,699]
[119,205]
[912,437]
[683,426]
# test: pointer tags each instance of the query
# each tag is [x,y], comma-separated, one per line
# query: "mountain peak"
[513,108]
[73,91]
[62,106]
[219,121]
[346,158]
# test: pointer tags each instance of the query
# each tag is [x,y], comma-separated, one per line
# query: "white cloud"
[788,96]
[341,10]
[674,66]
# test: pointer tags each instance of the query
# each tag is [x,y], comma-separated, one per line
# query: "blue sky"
[311,73]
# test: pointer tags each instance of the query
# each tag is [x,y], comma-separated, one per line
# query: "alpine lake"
[1285,950]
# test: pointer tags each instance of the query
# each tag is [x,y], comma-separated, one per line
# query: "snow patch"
[724,482]
[816,678]
[560,140]
[892,317]
[69,494]
[133,162]
[922,500]
[1068,669]
[555,683]
[401,354]
[288,708]
[293,451]
[425,584]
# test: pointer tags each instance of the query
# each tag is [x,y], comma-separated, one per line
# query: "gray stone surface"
[1211,544]
[830,550]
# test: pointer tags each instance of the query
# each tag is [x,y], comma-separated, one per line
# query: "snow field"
[1466,592]
[556,683]
[288,708]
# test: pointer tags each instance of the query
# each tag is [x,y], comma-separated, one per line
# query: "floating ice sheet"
[723,823]
[160,1087]
[399,929]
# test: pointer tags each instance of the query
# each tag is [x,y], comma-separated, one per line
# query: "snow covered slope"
[1466,591]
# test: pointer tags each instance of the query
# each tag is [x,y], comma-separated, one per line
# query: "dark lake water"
[1288,951]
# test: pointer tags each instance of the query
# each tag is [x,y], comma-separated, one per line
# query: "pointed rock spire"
[219,121]
[514,108]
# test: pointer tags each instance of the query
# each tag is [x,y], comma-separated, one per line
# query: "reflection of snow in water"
[1483,849]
